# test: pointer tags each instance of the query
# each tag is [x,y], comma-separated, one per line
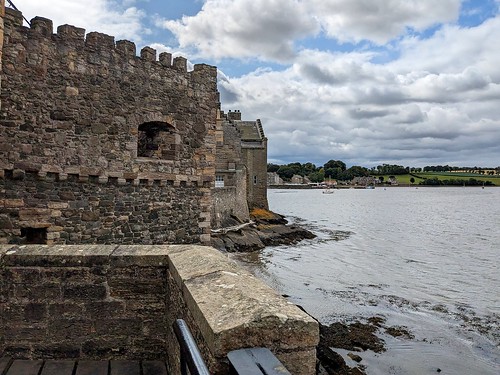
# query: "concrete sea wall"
[119,302]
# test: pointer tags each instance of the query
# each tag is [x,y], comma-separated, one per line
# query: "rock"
[350,337]
[245,240]
[270,229]
[354,357]
[331,361]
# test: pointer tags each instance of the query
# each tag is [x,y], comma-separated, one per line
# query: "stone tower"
[99,145]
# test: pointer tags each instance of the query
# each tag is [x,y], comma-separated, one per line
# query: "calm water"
[426,259]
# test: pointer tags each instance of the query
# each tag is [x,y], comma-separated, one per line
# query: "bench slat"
[124,367]
[4,364]
[255,361]
[58,367]
[25,367]
[243,363]
[92,367]
[154,368]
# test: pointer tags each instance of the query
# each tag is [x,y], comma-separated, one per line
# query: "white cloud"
[269,29]
[437,103]
[115,18]
[380,20]
[244,28]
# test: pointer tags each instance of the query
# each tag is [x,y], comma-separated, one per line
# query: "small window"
[156,140]
[255,180]
[34,235]
[219,181]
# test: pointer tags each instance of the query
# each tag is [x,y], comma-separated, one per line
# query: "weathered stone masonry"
[96,138]
[119,302]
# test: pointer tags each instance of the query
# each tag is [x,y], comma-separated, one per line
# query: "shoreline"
[266,228]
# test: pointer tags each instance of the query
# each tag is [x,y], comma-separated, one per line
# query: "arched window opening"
[157,140]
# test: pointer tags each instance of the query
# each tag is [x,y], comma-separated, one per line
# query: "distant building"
[300,180]
[392,181]
[274,179]
[364,181]
[241,168]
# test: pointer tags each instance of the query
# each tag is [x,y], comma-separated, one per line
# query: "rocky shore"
[356,337]
[265,228]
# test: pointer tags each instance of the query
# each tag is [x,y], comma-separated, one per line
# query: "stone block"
[118,327]
[140,255]
[84,292]
[148,54]
[105,309]
[56,350]
[232,309]
[38,293]
[20,334]
[34,214]
[71,91]
[67,310]
[69,329]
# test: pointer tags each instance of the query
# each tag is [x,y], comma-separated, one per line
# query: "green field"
[404,179]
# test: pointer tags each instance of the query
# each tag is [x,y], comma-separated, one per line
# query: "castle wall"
[231,200]
[74,105]
[2,16]
[119,302]
[99,210]
[255,158]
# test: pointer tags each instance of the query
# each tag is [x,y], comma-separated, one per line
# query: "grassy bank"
[404,179]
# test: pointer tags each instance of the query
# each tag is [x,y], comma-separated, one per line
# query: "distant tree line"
[337,170]
[332,169]
[454,182]
[447,168]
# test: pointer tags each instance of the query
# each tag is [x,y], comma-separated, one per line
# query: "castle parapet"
[166,59]
[126,47]
[95,42]
[180,63]
[100,41]
[14,17]
[42,26]
[148,54]
[71,33]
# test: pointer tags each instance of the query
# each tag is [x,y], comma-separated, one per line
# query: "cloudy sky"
[408,82]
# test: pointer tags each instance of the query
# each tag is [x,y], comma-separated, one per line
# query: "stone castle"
[102,150]
[99,145]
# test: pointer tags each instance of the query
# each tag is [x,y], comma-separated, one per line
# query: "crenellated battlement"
[102,44]
[121,179]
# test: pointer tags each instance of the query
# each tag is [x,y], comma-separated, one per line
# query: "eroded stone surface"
[94,301]
[233,309]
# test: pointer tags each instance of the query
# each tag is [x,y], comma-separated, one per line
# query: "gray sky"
[409,82]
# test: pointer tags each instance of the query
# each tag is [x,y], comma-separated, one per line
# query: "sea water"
[424,258]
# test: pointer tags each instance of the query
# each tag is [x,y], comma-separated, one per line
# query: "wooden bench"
[255,361]
[9,366]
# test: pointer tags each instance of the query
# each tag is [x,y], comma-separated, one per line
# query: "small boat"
[328,189]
